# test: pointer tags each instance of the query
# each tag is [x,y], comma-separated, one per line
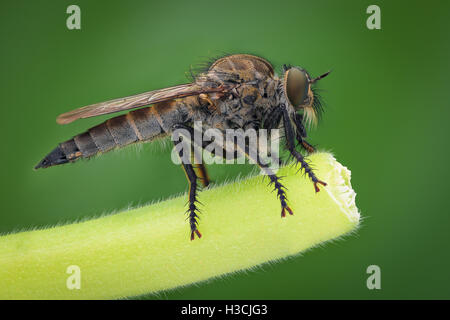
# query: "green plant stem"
[148,249]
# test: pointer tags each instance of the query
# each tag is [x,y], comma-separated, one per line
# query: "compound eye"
[296,85]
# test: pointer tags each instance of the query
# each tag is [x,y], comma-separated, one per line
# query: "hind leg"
[193,189]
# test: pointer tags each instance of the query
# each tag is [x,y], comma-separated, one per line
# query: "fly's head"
[299,91]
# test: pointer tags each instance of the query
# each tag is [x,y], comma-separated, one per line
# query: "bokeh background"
[387,113]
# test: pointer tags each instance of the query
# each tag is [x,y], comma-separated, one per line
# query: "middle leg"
[252,154]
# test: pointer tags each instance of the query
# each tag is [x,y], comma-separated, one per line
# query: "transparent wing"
[135,101]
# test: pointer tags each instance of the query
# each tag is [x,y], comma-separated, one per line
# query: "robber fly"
[235,91]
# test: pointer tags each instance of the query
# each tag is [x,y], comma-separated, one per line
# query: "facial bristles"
[310,117]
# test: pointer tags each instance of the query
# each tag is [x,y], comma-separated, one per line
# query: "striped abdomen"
[139,125]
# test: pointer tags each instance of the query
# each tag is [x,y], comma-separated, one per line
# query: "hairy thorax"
[244,107]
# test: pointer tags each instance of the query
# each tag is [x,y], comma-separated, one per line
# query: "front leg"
[290,142]
[301,133]
[307,146]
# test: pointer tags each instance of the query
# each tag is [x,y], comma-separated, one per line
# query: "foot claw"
[283,211]
[316,187]
[194,232]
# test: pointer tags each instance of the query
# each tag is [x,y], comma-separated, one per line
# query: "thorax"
[243,107]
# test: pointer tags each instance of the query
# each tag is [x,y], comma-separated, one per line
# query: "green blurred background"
[387,112]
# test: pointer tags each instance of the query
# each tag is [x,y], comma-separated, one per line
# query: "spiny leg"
[192,210]
[274,179]
[281,194]
[199,168]
[192,177]
[290,141]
